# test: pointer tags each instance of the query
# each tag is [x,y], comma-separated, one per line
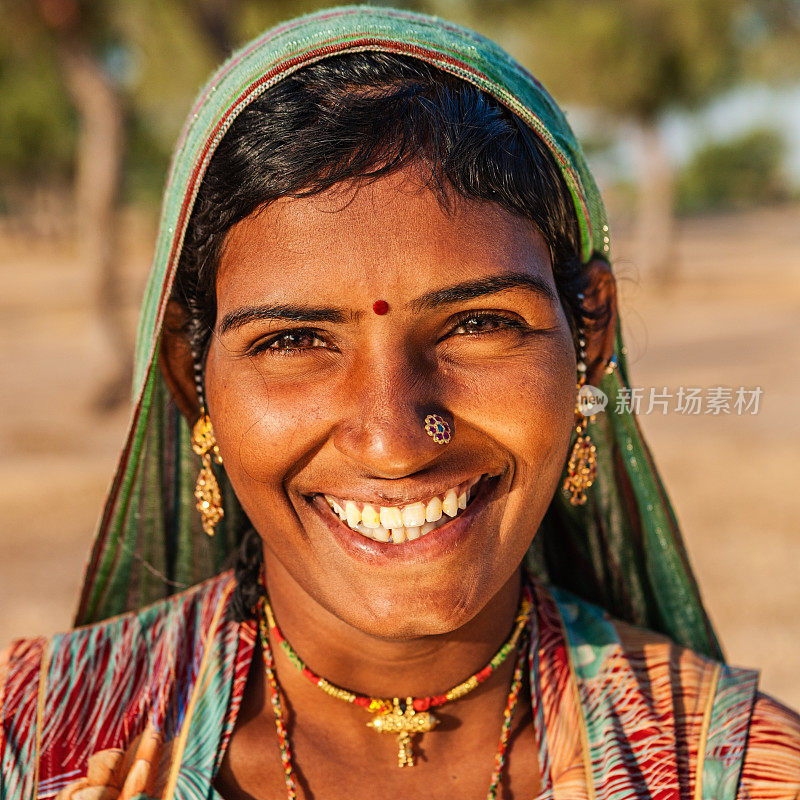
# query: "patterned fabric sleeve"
[20,667]
[772,763]
[112,716]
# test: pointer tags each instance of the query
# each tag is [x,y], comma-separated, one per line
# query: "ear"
[176,362]
[600,299]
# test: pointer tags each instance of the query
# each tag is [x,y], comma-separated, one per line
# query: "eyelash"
[266,346]
[505,322]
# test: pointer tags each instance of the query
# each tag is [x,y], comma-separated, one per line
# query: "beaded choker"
[400,717]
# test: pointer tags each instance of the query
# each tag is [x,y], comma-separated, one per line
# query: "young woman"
[380,302]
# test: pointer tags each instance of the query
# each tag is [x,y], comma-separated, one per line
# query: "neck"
[383,667]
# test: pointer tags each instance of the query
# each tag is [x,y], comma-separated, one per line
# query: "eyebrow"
[292,313]
[458,293]
[469,290]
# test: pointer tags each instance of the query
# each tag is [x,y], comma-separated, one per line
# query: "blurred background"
[689,111]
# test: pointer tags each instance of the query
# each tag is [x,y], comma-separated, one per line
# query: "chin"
[412,611]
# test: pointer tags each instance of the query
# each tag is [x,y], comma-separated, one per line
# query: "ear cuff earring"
[582,464]
[204,443]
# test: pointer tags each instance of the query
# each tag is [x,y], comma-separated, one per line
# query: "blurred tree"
[33,161]
[638,58]
[767,33]
[217,20]
[739,173]
[80,33]
[33,105]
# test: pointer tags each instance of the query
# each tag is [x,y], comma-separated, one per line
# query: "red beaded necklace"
[402,718]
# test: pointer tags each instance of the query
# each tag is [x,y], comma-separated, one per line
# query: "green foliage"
[735,174]
[636,58]
[631,58]
[38,127]
[768,34]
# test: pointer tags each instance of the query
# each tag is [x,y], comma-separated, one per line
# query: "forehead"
[391,237]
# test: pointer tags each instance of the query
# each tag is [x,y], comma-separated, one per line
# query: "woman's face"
[313,394]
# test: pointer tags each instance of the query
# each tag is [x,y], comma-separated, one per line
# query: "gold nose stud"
[438,429]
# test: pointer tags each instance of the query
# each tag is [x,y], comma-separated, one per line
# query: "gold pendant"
[404,724]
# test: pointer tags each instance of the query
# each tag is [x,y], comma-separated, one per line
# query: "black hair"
[357,117]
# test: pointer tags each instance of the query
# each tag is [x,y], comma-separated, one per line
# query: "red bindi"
[380,307]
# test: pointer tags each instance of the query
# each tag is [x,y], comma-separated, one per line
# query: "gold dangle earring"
[206,490]
[582,464]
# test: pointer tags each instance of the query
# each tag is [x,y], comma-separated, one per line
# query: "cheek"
[526,404]
[534,423]
[551,404]
[261,427]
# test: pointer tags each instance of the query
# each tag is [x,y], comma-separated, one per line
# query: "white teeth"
[353,513]
[370,517]
[391,517]
[450,503]
[397,525]
[380,534]
[414,515]
[433,511]
[427,528]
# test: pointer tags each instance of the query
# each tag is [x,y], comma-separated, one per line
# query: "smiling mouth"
[398,524]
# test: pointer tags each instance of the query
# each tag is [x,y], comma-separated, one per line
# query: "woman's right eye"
[291,342]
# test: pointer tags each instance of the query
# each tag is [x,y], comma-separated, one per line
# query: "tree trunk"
[97,189]
[656,250]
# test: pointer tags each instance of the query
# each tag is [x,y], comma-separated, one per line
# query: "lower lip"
[433,545]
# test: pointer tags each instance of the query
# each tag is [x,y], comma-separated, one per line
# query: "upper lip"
[380,498]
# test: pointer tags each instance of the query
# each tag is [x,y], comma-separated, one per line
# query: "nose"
[384,426]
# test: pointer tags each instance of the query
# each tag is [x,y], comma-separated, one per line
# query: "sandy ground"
[732,319]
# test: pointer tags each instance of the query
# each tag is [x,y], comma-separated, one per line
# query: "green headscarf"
[622,550]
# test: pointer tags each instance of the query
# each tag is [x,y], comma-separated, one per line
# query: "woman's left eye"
[290,342]
[485,323]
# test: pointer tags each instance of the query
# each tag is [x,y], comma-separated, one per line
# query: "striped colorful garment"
[144,705]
